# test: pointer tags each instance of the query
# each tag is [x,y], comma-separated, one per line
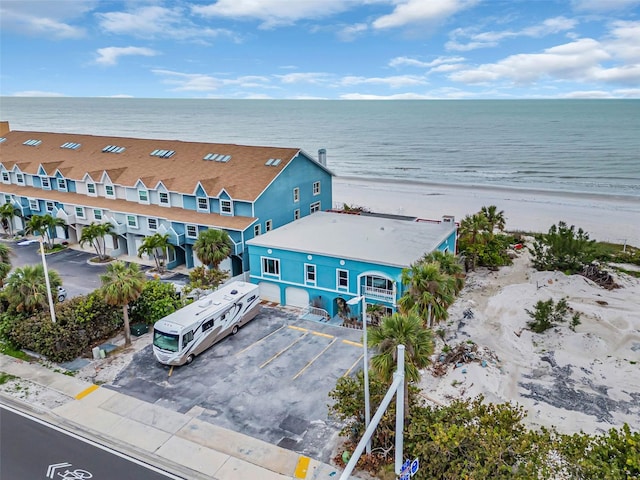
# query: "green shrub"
[563,248]
[156,301]
[547,314]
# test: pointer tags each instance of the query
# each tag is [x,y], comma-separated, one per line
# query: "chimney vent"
[322,157]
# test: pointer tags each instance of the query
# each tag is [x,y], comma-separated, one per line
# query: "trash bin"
[138,329]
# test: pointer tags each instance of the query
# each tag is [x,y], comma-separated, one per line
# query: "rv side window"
[207,325]
[186,338]
[251,298]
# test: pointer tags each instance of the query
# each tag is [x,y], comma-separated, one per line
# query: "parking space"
[270,381]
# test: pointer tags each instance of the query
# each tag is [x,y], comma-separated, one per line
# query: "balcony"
[379,293]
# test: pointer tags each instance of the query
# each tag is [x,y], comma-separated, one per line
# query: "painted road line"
[284,349]
[260,341]
[353,366]
[293,327]
[302,467]
[320,334]
[87,391]
[314,359]
[355,344]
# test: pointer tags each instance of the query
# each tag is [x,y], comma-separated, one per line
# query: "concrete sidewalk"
[178,443]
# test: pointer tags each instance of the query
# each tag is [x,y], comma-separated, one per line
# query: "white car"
[62,294]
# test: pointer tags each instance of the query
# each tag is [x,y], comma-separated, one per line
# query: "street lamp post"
[367,408]
[46,279]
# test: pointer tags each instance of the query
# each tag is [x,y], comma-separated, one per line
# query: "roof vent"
[32,143]
[70,145]
[113,149]
[162,153]
[273,162]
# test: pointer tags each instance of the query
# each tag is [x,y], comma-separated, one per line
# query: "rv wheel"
[234,330]
[190,359]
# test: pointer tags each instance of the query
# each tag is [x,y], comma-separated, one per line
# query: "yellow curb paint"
[302,467]
[87,391]
[349,342]
[293,327]
[320,334]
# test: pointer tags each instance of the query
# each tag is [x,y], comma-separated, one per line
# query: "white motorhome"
[189,331]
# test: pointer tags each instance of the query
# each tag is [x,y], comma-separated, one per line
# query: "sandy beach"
[614,219]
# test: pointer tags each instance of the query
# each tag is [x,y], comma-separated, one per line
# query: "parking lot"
[270,381]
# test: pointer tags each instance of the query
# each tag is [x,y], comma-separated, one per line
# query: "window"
[50,206]
[152,223]
[256,230]
[143,196]
[108,191]
[268,225]
[203,204]
[380,283]
[132,221]
[310,273]
[97,214]
[7,199]
[316,188]
[270,266]
[342,279]
[225,207]
[296,194]
[80,212]
[5,177]
[207,325]
[296,214]
[20,178]
[46,184]
[192,231]
[315,207]
[33,204]
[62,184]
[164,198]
[91,188]
[187,337]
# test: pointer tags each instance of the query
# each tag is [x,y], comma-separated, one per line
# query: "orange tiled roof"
[245,176]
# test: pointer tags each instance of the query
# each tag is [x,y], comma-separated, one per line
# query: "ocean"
[564,146]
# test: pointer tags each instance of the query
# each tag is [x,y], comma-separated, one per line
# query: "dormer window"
[91,188]
[109,191]
[143,196]
[46,183]
[62,184]
[5,177]
[203,204]
[20,178]
[226,207]
[163,197]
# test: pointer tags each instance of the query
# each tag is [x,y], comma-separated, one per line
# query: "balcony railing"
[379,293]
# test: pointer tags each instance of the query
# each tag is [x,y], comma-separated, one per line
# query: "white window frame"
[296,195]
[106,191]
[45,182]
[338,285]
[62,184]
[50,206]
[20,178]
[167,201]
[80,212]
[265,264]
[7,198]
[143,193]
[202,199]
[133,224]
[314,207]
[316,188]
[89,192]
[98,214]
[151,221]
[226,207]
[310,274]
[257,230]
[268,225]
[194,228]
[296,214]
[34,204]
[6,178]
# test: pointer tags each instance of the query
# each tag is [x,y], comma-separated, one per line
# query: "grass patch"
[6,377]
[7,349]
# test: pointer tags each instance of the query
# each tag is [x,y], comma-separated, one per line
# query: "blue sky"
[325,49]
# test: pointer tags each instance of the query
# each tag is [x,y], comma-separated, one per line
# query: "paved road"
[32,449]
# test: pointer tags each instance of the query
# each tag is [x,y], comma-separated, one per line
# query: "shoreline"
[605,218]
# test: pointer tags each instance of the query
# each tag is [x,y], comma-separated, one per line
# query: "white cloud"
[37,93]
[624,41]
[604,5]
[409,12]
[399,96]
[110,55]
[198,82]
[412,62]
[350,32]
[588,94]
[309,77]
[39,19]
[391,82]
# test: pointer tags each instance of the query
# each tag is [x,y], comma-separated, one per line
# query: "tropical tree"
[45,226]
[156,246]
[26,288]
[449,264]
[121,285]
[212,247]
[407,330]
[7,212]
[472,232]
[429,292]
[94,234]
[5,262]
[495,219]
[375,312]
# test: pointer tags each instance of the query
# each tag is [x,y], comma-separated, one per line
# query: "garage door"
[269,292]
[297,297]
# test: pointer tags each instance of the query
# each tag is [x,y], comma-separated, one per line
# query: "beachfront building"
[144,186]
[323,261]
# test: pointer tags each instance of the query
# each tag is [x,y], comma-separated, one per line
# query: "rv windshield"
[165,341]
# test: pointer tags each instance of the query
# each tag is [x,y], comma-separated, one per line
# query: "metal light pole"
[365,359]
[46,279]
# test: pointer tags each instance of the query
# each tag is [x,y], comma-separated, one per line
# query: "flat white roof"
[373,239]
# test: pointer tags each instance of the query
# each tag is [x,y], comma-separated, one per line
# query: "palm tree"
[121,285]
[156,246]
[449,264]
[5,262]
[26,289]
[94,234]
[45,225]
[375,312]
[471,231]
[407,330]
[429,291]
[212,247]
[7,212]
[495,219]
